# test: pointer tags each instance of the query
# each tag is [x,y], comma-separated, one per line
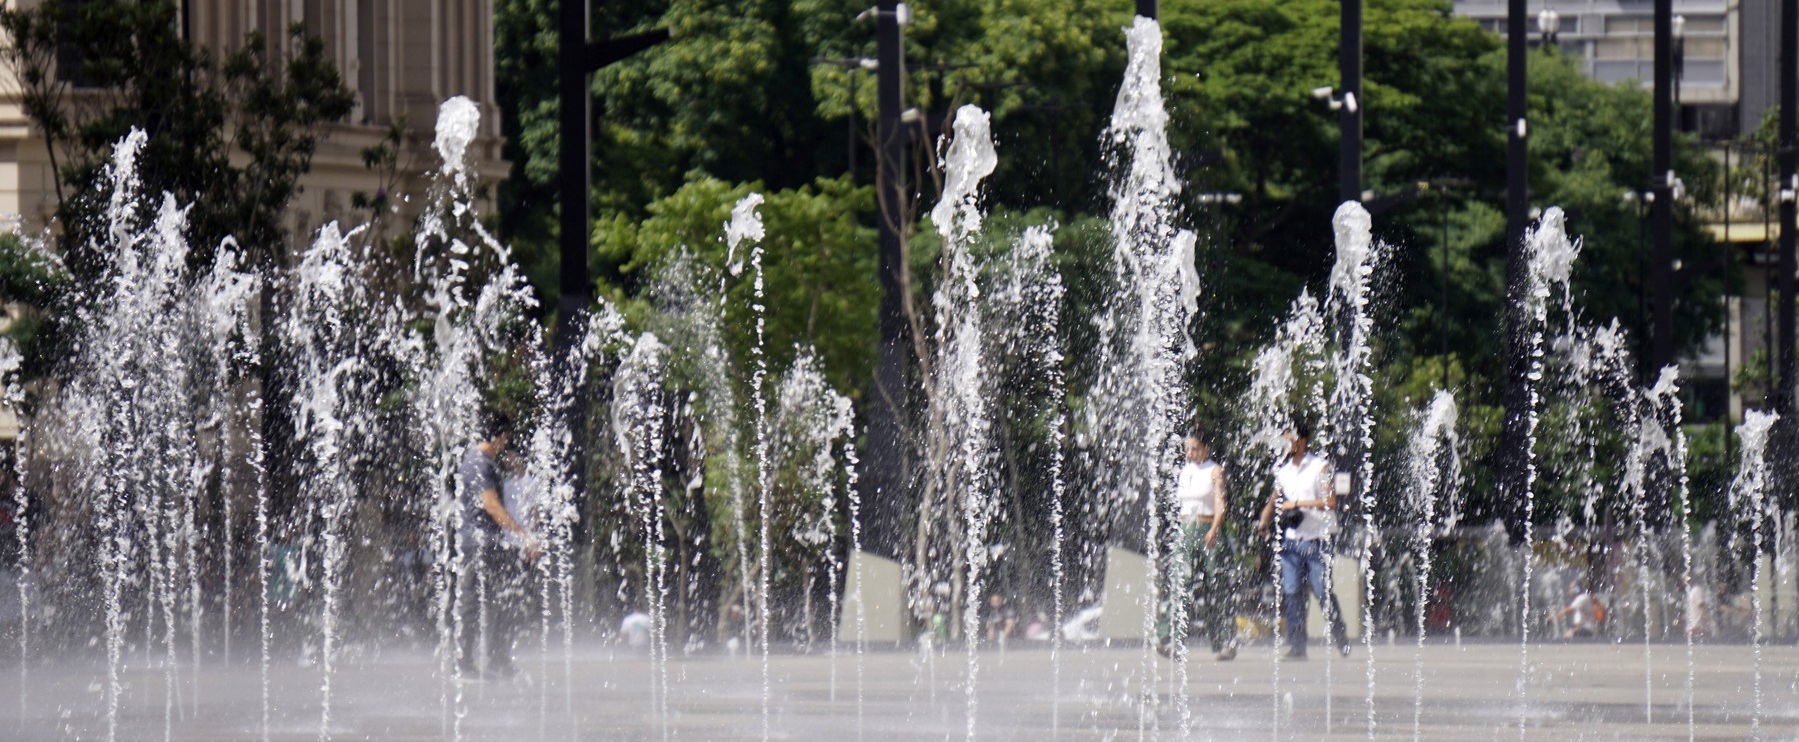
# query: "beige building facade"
[400,58]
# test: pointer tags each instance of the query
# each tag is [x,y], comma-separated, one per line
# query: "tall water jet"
[1652,451]
[1138,402]
[1748,496]
[557,383]
[1434,465]
[1549,263]
[961,416]
[135,445]
[1358,257]
[690,320]
[1296,358]
[468,320]
[746,226]
[12,395]
[718,399]
[1682,484]
[332,383]
[260,536]
[639,406]
[1030,308]
[815,425]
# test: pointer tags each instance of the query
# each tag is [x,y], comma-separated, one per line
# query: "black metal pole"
[1349,117]
[1443,287]
[1724,281]
[1789,123]
[885,483]
[1148,9]
[1644,257]
[1785,434]
[1661,214]
[1768,246]
[1516,434]
[576,58]
[573,175]
[850,146]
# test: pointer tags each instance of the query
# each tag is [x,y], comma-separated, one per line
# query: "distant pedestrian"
[1001,620]
[491,584]
[1306,497]
[635,627]
[1583,617]
[1201,570]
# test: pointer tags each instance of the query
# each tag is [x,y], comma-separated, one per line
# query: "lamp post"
[1643,200]
[1442,188]
[851,65]
[1661,273]
[1349,187]
[576,59]
[1789,182]
[1680,62]
[1518,408]
[1548,23]
[1349,116]
[885,480]
[1148,9]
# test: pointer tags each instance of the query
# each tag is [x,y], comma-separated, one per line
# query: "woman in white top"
[1198,560]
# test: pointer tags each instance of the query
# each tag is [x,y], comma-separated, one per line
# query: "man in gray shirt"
[491,582]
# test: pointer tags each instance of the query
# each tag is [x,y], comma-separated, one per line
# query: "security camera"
[1323,93]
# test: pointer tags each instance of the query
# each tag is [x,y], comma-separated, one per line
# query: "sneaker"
[1164,648]
[1294,654]
[1227,654]
[1343,648]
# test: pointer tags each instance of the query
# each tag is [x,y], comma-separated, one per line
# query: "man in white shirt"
[1200,561]
[1584,615]
[1307,500]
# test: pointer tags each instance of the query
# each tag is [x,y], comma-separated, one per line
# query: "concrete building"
[400,58]
[1614,41]
[1726,60]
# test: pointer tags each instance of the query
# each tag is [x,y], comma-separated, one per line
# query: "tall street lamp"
[1789,184]
[851,66]
[576,59]
[886,475]
[1515,436]
[1680,61]
[1661,271]
[1349,115]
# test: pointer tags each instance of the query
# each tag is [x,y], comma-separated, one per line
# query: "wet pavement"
[1575,692]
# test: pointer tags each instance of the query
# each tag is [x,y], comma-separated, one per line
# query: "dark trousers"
[1302,565]
[491,583]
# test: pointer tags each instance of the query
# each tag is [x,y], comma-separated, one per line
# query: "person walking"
[1305,495]
[490,583]
[1200,572]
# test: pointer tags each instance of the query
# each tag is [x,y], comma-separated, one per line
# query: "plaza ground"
[1576,692]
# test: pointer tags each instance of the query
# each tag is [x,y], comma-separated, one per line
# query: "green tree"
[815,258]
[750,99]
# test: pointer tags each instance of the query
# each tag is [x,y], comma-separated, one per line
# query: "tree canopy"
[753,95]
